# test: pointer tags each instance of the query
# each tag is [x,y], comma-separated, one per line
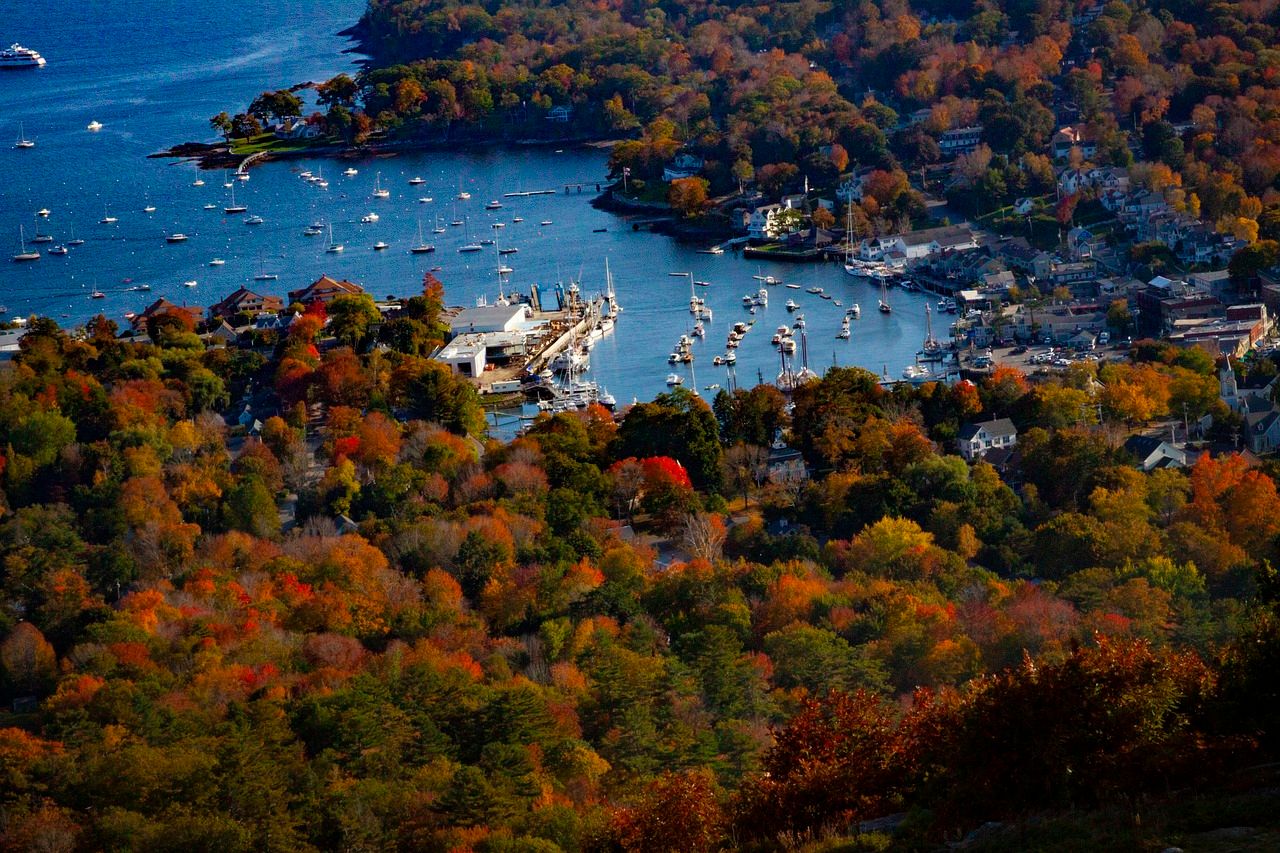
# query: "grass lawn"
[267,142]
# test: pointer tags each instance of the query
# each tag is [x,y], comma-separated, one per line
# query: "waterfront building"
[244,301]
[325,290]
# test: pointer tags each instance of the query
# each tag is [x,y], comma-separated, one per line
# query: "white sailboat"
[107,218]
[422,247]
[334,248]
[470,245]
[378,191]
[24,254]
[23,142]
[233,207]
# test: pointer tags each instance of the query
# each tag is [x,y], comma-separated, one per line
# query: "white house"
[975,440]
[917,245]
[766,222]
[1153,452]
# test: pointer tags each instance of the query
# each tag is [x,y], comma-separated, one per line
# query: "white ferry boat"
[17,56]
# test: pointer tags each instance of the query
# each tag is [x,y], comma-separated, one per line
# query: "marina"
[85,179]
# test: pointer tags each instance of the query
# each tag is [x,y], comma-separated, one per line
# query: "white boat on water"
[369,218]
[379,246]
[94,126]
[334,248]
[416,181]
[58,250]
[190,283]
[471,247]
[15,56]
[176,237]
[351,172]
[378,191]
[44,211]
[216,262]
[422,247]
[233,207]
[674,379]
[24,254]
[254,220]
[23,142]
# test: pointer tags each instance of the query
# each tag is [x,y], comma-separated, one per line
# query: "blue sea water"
[153,71]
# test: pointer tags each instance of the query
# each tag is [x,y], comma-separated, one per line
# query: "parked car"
[1018,350]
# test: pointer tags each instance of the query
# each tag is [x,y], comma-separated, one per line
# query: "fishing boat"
[25,254]
[23,142]
[378,191]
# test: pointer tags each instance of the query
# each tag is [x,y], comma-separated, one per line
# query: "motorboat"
[216,262]
[674,379]
[94,126]
[150,208]
[545,222]
[44,211]
[504,270]
[464,196]
[379,246]
[816,291]
[16,56]
[266,276]
[417,181]
[369,218]
[210,206]
[144,288]
[791,305]
[254,220]
[58,250]
[426,199]
[177,237]
[190,283]
[242,176]
[517,219]
[493,205]
[470,247]
[510,250]
[351,173]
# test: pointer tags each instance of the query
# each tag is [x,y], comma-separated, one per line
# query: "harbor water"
[153,72]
